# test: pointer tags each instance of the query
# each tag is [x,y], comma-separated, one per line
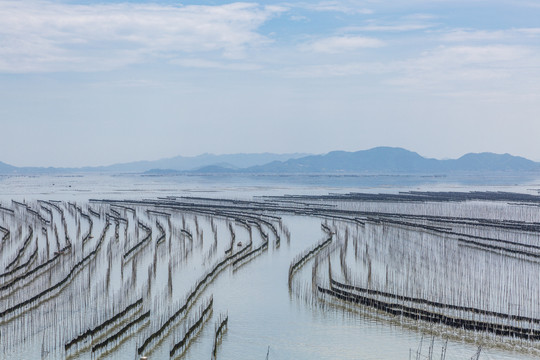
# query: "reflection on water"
[130,261]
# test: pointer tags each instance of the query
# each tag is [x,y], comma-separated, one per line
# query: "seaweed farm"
[421,275]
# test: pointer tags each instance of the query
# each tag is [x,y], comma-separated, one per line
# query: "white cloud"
[507,69]
[457,56]
[338,44]
[343,69]
[462,35]
[47,36]
[482,70]
[389,28]
[41,35]
[529,31]
[503,35]
[298,18]
[346,7]
[420,17]
[210,64]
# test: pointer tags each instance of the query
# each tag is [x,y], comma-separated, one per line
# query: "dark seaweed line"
[48,211]
[23,248]
[308,254]
[52,204]
[93,212]
[150,211]
[500,248]
[233,237]
[493,223]
[260,248]
[207,209]
[91,225]
[48,262]
[19,203]
[449,232]
[75,206]
[121,331]
[158,333]
[340,217]
[507,242]
[192,329]
[11,211]
[434,303]
[326,228]
[476,237]
[91,332]
[140,243]
[231,201]
[63,217]
[58,284]
[187,303]
[271,227]
[506,224]
[170,320]
[387,216]
[242,222]
[6,233]
[187,233]
[461,237]
[219,332]
[162,233]
[418,314]
[22,266]
[36,213]
[64,223]
[116,218]
[116,213]
[34,270]
[263,246]
[213,209]
[258,225]
[126,208]
[417,196]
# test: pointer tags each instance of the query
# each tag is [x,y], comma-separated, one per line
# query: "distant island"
[379,160]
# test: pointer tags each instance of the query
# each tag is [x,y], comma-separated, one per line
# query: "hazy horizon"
[90,84]
[298,155]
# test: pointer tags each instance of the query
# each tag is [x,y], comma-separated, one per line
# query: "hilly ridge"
[4,168]
[396,160]
[379,160]
[173,164]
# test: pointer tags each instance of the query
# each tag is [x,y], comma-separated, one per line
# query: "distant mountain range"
[395,160]
[5,168]
[380,160]
[174,164]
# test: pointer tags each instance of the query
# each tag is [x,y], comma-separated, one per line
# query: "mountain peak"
[378,160]
[386,159]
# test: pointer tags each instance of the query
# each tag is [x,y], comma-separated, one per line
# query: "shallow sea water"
[265,317]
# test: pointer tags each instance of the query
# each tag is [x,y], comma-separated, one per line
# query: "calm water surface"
[264,315]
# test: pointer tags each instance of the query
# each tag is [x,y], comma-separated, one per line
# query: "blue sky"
[95,83]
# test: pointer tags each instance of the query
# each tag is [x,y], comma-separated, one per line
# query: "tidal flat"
[125,267]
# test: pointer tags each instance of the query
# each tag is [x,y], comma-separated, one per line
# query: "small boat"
[239,243]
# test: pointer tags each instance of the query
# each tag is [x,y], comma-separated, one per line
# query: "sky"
[86,83]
